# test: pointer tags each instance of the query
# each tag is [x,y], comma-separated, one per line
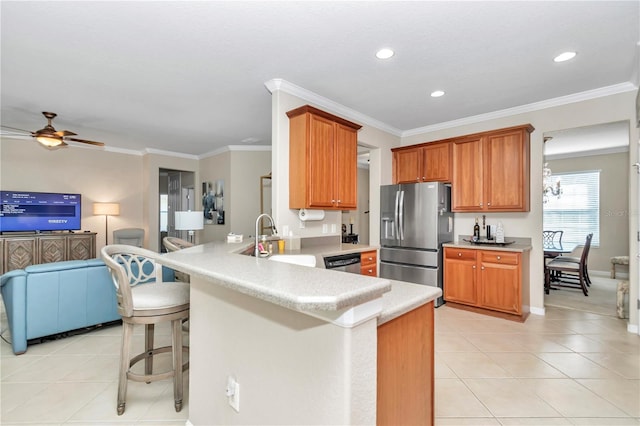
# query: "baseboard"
[607,274]
[632,328]
[537,311]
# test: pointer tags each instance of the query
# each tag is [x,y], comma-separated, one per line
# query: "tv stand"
[19,250]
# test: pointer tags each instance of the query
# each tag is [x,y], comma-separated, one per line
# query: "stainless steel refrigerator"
[415,220]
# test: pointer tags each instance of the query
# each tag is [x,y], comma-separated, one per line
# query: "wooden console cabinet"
[486,279]
[323,156]
[21,250]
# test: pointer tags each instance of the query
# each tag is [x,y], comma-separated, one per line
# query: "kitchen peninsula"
[306,345]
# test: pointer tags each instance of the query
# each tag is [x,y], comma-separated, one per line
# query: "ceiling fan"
[52,138]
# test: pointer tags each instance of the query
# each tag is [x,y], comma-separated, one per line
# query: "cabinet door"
[321,162]
[81,247]
[499,285]
[19,253]
[407,165]
[506,177]
[467,175]
[460,276]
[436,162]
[346,181]
[52,248]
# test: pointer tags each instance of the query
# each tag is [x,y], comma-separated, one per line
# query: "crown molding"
[229,148]
[536,106]
[603,151]
[334,107]
[170,153]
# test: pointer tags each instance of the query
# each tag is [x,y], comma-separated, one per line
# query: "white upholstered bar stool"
[143,298]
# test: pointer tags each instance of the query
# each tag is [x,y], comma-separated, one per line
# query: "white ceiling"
[189,77]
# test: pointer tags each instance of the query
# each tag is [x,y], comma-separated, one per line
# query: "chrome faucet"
[256,250]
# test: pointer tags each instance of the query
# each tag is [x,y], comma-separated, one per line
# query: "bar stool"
[143,298]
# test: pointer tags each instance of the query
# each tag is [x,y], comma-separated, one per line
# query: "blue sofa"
[53,298]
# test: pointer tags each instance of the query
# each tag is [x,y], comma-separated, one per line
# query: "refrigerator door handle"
[401,217]
[395,219]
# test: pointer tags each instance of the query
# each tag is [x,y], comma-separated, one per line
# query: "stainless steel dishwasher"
[343,262]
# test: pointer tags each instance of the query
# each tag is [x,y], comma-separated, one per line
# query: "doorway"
[177,193]
[574,158]
[355,223]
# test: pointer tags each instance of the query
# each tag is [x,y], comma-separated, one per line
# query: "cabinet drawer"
[461,254]
[368,258]
[370,271]
[506,258]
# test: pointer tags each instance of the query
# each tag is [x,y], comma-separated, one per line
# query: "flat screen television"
[25,211]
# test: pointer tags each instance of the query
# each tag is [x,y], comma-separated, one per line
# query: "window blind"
[577,210]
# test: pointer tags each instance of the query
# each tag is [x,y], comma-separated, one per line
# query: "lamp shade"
[189,221]
[109,209]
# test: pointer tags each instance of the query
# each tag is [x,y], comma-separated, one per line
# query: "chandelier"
[549,187]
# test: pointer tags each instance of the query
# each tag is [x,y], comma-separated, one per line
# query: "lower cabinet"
[484,279]
[369,263]
[405,379]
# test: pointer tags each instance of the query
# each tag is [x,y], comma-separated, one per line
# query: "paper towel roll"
[306,215]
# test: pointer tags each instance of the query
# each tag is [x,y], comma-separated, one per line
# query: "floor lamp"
[189,221]
[106,209]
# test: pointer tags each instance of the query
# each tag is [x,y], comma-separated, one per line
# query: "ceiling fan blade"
[85,141]
[16,129]
[63,133]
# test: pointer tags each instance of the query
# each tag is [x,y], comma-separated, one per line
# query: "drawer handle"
[498,257]
[370,271]
[459,254]
[370,258]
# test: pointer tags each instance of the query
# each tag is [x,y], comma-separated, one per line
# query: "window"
[577,210]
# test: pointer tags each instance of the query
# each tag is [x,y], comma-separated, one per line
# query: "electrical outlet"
[325,228]
[233,393]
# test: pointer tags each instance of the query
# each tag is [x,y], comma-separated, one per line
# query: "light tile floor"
[566,368]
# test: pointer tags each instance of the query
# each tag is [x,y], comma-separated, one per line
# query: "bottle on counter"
[476,231]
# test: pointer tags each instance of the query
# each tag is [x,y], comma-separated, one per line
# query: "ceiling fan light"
[49,141]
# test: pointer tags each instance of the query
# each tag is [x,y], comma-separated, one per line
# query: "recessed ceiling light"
[384,53]
[564,56]
[437,94]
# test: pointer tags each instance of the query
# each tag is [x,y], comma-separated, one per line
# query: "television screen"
[39,211]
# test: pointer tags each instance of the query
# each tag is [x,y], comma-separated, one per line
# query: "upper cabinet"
[422,163]
[323,150]
[491,171]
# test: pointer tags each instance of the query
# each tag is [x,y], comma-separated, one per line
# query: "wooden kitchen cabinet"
[486,279]
[491,171]
[405,376]
[369,263]
[427,162]
[322,160]
[500,280]
[460,275]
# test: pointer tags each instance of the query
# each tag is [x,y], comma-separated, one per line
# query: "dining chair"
[144,298]
[573,274]
[577,260]
[552,239]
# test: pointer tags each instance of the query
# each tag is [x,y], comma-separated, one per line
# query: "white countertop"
[298,287]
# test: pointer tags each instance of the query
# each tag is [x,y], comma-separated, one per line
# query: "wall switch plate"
[233,393]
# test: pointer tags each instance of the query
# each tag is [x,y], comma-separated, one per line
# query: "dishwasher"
[343,262]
